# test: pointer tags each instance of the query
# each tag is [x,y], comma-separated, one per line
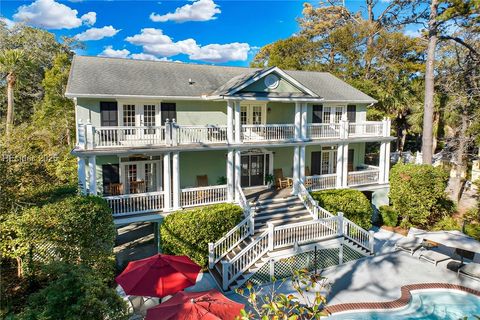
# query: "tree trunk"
[19,267]
[427,136]
[368,57]
[460,159]
[10,84]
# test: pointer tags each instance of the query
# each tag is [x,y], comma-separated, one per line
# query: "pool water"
[426,305]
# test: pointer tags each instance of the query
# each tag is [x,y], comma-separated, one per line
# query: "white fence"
[128,136]
[288,235]
[199,134]
[323,130]
[321,182]
[268,132]
[363,177]
[190,197]
[136,203]
[366,129]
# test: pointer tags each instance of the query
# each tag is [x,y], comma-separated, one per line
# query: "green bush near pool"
[389,216]
[353,203]
[189,232]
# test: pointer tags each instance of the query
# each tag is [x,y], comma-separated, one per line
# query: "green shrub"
[74,229]
[417,192]
[389,216]
[353,203]
[446,223]
[74,292]
[473,230]
[189,232]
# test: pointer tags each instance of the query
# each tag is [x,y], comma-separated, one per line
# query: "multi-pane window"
[328,164]
[243,115]
[326,114]
[149,118]
[131,171]
[256,114]
[150,177]
[338,114]
[129,117]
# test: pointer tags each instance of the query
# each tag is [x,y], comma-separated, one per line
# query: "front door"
[324,162]
[253,170]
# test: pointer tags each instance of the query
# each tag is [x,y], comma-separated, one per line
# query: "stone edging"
[401,302]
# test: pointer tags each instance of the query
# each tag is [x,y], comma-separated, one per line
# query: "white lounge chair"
[470,270]
[433,256]
[409,244]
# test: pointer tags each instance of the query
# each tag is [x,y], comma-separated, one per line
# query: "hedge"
[353,203]
[417,192]
[189,232]
[389,216]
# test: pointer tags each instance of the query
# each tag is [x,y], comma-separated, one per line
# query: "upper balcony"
[172,134]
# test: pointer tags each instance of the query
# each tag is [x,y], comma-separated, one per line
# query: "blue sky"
[200,31]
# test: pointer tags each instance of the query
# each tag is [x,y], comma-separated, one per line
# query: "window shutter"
[108,114]
[317,113]
[351,113]
[315,163]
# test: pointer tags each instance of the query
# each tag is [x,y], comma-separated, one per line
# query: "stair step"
[274,205]
[279,215]
[266,201]
[292,208]
[304,216]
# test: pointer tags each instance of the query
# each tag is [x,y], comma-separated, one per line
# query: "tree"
[12,62]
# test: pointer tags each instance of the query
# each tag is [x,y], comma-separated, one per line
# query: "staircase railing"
[311,204]
[219,249]
[358,235]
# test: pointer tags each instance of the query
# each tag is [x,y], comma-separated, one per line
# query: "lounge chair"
[433,256]
[409,244]
[281,181]
[470,270]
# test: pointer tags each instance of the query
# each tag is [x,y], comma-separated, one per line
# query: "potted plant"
[269,180]
[222,180]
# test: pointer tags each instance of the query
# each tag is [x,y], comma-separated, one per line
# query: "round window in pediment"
[271,81]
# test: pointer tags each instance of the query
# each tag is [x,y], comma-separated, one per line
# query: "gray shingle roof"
[99,76]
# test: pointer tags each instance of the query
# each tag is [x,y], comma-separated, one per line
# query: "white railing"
[190,197]
[308,201]
[136,203]
[321,182]
[199,134]
[323,130]
[365,129]
[244,259]
[358,178]
[288,235]
[357,234]
[128,136]
[237,234]
[268,132]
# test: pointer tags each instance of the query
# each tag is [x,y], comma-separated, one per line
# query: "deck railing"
[172,134]
[268,132]
[128,136]
[237,234]
[200,134]
[321,182]
[357,234]
[363,177]
[136,203]
[190,197]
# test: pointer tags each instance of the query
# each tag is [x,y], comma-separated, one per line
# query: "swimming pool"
[427,305]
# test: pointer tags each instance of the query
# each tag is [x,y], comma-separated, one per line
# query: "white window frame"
[333,108]
[250,107]
[139,111]
[140,172]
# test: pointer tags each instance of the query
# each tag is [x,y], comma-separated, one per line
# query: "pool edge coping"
[404,300]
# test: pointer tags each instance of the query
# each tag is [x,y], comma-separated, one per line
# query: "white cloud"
[200,10]
[112,53]
[89,18]
[49,14]
[146,56]
[155,42]
[97,33]
[412,33]
[9,23]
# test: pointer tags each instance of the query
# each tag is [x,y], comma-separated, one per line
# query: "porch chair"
[281,181]
[202,181]
[115,189]
[308,183]
[137,186]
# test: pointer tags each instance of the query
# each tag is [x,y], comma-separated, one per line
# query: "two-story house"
[147,130]
[155,137]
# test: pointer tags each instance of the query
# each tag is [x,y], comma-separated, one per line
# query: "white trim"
[282,73]
[128,96]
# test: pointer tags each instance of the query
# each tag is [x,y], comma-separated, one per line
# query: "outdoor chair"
[202,181]
[281,181]
[470,270]
[433,256]
[409,244]
[137,186]
[115,189]
[308,180]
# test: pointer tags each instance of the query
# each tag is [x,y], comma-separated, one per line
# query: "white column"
[298,120]
[167,184]
[381,163]
[238,176]
[296,169]
[89,143]
[238,127]
[387,162]
[92,176]
[345,166]
[82,177]
[230,176]
[302,164]
[176,180]
[230,121]
[339,167]
[304,121]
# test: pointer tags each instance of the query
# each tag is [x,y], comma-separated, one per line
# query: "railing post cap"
[371,232]
[210,244]
[225,262]
[340,214]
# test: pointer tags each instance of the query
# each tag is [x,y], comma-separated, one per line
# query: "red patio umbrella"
[158,276]
[206,305]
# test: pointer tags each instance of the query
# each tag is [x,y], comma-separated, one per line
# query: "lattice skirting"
[283,268]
